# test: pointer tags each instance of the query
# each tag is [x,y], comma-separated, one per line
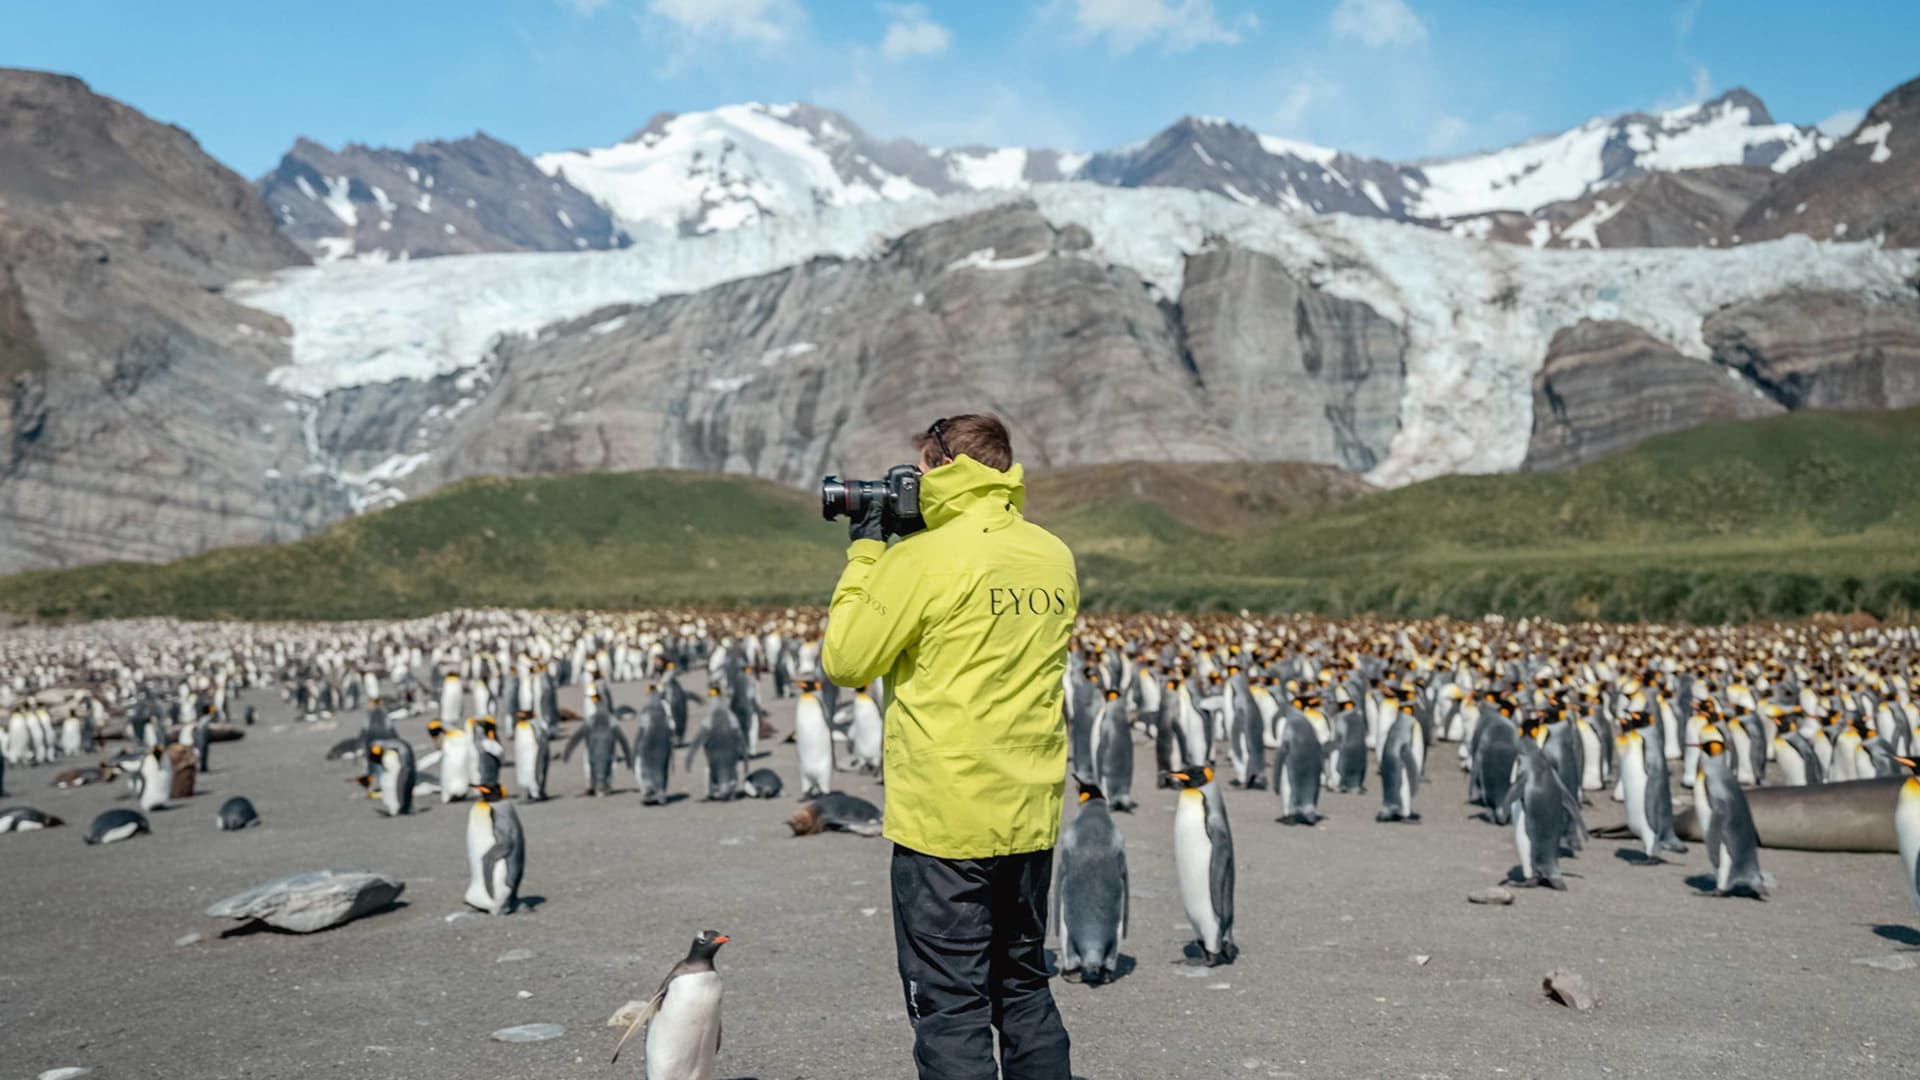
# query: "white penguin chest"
[1906,827]
[683,1039]
[1193,863]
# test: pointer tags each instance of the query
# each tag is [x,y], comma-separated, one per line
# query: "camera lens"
[833,498]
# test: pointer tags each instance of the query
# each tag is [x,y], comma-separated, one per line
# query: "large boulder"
[1607,385]
[317,900]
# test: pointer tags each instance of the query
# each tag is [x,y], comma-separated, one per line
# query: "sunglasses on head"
[934,432]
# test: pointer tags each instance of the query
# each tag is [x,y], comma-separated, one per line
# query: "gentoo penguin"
[603,737]
[1657,794]
[1297,765]
[1544,812]
[867,730]
[456,759]
[26,819]
[496,852]
[1726,824]
[726,751]
[763,784]
[1113,756]
[1091,891]
[836,812]
[814,742]
[235,814]
[532,753]
[683,1017]
[653,750]
[1906,829]
[155,778]
[1399,769]
[113,826]
[394,759]
[1203,864]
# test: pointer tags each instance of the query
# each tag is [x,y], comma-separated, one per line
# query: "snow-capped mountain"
[702,172]
[462,197]
[698,172]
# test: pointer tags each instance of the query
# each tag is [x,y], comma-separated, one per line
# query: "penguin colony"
[1548,721]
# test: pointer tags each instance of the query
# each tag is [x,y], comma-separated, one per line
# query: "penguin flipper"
[640,1021]
[620,744]
[578,738]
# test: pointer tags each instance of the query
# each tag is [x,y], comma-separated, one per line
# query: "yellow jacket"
[969,620]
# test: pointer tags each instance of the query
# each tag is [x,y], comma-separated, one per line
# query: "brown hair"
[980,436]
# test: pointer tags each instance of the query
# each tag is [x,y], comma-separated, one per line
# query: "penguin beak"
[721,939]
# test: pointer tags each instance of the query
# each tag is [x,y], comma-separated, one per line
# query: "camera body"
[898,495]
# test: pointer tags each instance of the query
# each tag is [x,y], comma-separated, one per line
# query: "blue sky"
[1394,78]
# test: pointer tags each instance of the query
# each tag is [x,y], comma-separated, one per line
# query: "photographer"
[968,618]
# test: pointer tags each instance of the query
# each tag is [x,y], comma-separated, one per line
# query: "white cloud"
[1446,133]
[912,33]
[1300,97]
[769,22]
[1378,22]
[1842,122]
[1128,24]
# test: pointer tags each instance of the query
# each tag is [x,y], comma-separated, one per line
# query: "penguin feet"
[1258,783]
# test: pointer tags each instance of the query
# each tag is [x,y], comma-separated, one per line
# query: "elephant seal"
[1854,815]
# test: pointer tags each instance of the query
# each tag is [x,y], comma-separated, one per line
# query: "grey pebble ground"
[100,966]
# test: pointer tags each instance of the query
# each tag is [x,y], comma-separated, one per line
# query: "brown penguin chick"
[184,767]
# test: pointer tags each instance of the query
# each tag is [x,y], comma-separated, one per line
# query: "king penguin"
[394,758]
[1494,750]
[1726,824]
[1113,755]
[1656,793]
[1544,813]
[1906,829]
[653,749]
[456,759]
[726,751]
[532,752]
[156,779]
[1347,767]
[814,742]
[1297,769]
[496,852]
[1399,770]
[1091,891]
[1246,748]
[603,737]
[683,1017]
[113,826]
[867,730]
[235,814]
[1203,864]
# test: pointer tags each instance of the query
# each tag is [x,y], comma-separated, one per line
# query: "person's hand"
[871,524]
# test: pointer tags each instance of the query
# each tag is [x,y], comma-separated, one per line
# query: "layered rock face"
[1866,188]
[832,365]
[138,422]
[1290,372]
[441,198]
[1823,350]
[1607,385]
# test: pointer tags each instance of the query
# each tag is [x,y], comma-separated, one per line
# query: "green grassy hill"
[1789,516]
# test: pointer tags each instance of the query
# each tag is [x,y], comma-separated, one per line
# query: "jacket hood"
[963,484]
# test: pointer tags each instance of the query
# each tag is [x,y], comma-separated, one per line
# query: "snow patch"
[786,352]
[1876,137]
[984,259]
[986,170]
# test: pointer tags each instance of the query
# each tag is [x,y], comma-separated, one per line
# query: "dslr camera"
[898,495]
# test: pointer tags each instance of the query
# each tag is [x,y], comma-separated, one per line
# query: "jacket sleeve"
[875,615]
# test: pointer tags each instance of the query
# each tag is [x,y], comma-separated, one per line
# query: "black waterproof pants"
[971,937]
